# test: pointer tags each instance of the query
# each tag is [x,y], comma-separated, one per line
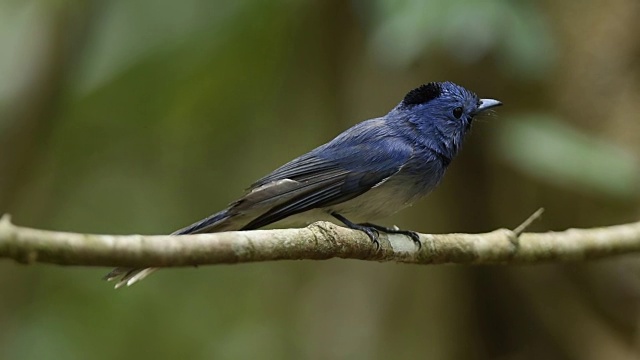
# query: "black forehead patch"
[423,94]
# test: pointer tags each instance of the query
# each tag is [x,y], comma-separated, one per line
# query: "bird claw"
[373,234]
[373,231]
[415,237]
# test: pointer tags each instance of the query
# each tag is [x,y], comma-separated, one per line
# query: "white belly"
[380,202]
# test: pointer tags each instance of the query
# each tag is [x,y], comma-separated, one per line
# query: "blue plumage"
[371,170]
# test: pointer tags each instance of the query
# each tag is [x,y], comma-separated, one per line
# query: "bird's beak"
[486,104]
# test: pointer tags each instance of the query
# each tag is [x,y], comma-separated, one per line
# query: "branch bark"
[318,241]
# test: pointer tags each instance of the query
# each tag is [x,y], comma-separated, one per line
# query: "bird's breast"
[380,202]
[415,180]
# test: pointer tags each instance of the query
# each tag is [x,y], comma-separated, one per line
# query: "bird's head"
[442,113]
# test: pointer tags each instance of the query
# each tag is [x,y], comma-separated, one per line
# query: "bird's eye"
[457,112]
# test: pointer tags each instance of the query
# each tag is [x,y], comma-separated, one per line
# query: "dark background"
[127,117]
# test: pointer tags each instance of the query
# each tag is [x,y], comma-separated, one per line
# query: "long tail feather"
[130,276]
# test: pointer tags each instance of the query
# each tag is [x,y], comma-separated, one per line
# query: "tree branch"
[317,241]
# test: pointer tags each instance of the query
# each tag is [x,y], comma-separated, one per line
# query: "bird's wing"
[326,176]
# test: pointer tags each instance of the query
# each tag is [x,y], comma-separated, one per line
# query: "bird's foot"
[392,230]
[371,231]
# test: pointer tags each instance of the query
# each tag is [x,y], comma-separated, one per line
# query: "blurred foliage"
[143,116]
[515,31]
[545,147]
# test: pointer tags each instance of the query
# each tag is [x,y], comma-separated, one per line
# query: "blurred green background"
[143,116]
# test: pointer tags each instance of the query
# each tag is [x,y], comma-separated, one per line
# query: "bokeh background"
[143,116]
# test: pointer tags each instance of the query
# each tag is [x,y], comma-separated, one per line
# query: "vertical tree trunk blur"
[33,114]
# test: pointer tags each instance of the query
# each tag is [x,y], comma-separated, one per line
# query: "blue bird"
[370,171]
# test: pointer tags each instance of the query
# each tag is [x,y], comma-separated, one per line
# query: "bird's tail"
[217,222]
[128,276]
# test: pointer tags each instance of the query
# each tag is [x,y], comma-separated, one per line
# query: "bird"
[369,171]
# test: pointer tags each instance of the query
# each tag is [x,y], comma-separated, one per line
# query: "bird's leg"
[412,234]
[372,232]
